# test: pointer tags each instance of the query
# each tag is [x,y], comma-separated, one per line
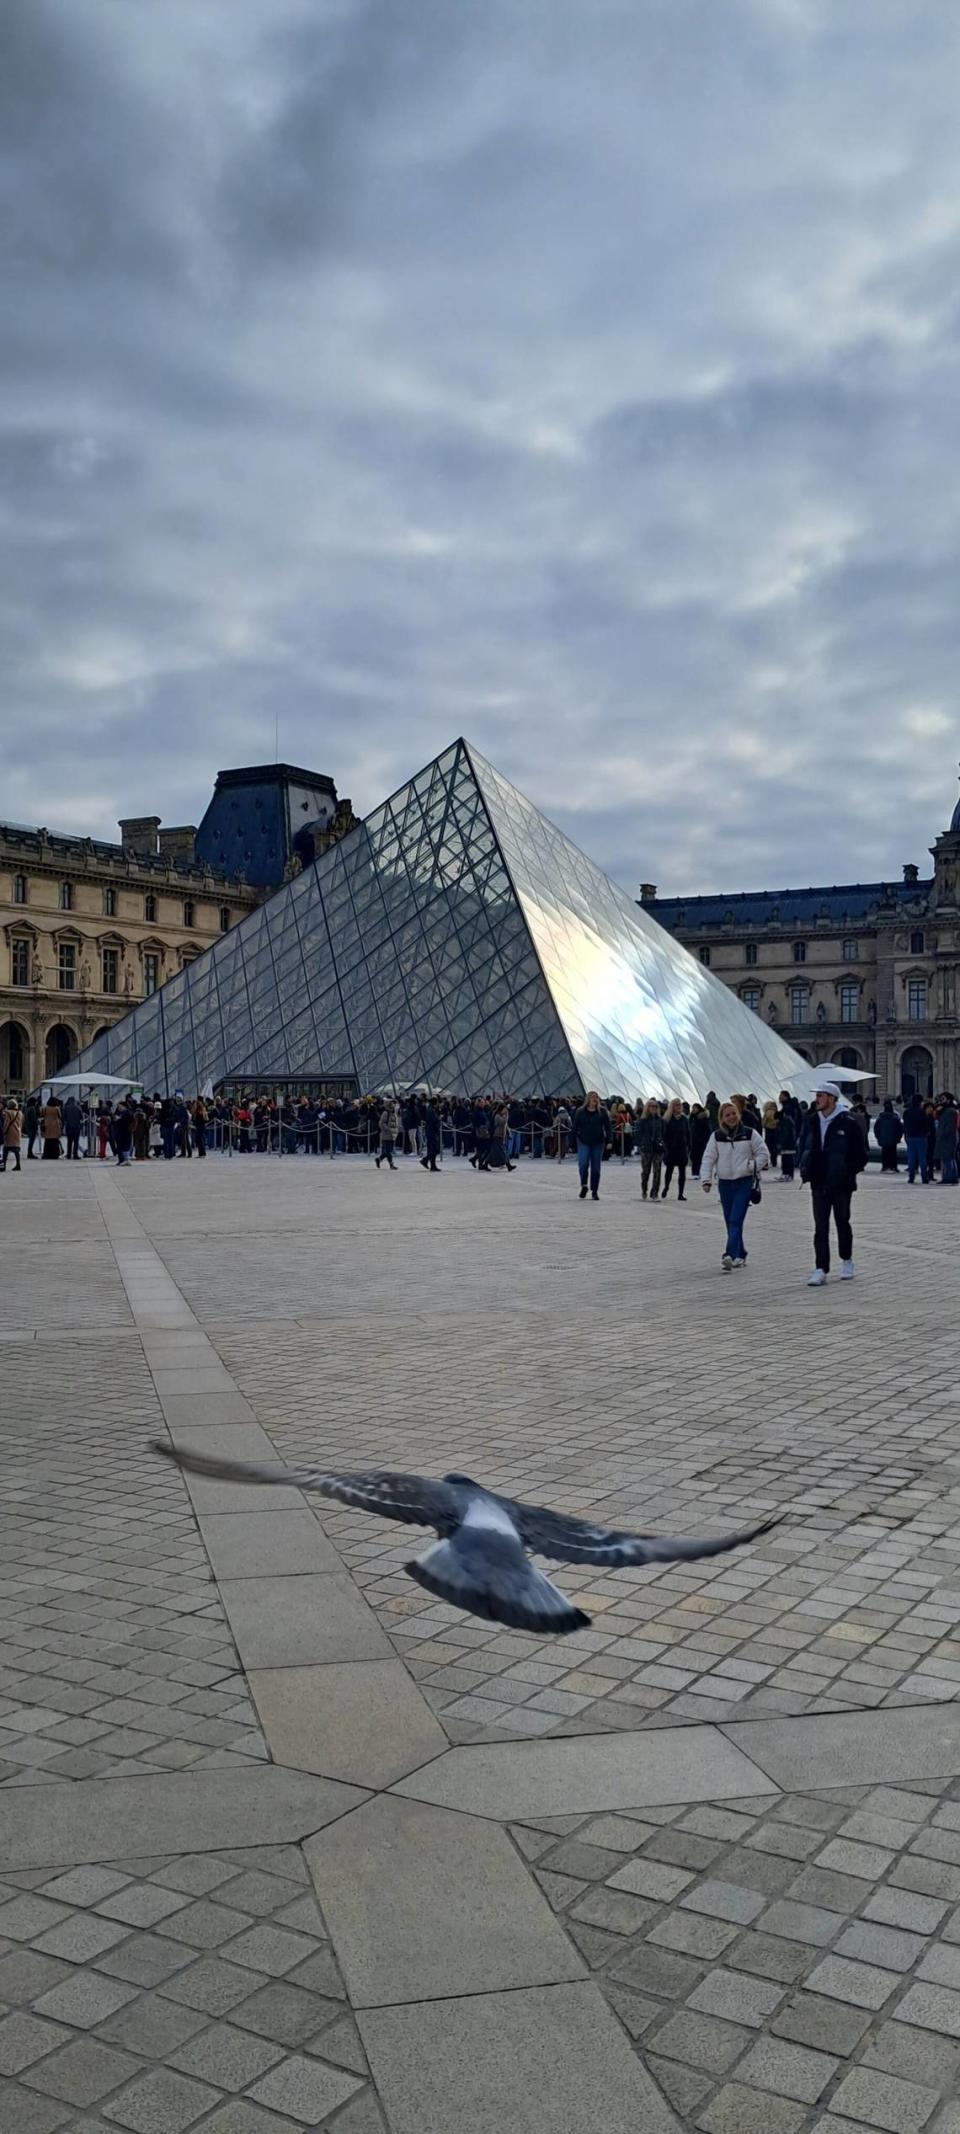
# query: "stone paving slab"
[847,1748]
[88,1822]
[461,1916]
[361,1721]
[304,1618]
[529,2060]
[506,1780]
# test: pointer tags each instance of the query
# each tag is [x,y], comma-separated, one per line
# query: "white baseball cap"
[825,1089]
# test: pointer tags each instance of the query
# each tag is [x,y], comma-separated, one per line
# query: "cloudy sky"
[579,378]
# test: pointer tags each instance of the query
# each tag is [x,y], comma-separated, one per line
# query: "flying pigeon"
[480,1562]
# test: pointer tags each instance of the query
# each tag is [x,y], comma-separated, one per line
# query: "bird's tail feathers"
[522,1599]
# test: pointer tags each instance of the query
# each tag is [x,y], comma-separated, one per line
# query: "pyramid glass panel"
[456,938]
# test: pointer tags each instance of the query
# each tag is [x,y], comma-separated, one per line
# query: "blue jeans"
[735,1200]
[917,1157]
[590,1159]
[948,1171]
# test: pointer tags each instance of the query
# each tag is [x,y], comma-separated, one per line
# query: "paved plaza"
[284,1843]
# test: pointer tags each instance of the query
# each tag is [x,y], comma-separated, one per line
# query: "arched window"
[19,892]
[65,896]
[224,917]
[61,1047]
[750,952]
[799,952]
[917,942]
[150,908]
[110,903]
[189,914]
[14,1051]
[705,954]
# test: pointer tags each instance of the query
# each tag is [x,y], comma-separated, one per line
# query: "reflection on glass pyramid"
[455,939]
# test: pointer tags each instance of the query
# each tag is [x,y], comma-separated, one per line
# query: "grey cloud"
[589,386]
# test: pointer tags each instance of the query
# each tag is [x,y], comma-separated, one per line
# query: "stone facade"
[866,974]
[87,929]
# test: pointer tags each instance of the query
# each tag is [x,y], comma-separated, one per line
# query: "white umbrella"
[91,1081]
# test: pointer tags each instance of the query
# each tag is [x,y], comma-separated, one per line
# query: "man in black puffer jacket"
[832,1154]
[592,1132]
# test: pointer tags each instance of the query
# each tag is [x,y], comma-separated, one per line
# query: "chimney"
[910,872]
[139,835]
[178,847]
[648,891]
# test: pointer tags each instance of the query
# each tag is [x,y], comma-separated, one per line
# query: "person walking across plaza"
[735,1155]
[432,1134]
[591,1129]
[832,1155]
[389,1124]
[915,1129]
[10,1134]
[649,1139]
[676,1147]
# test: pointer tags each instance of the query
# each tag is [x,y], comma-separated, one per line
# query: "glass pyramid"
[456,940]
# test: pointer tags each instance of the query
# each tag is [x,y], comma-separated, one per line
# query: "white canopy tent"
[828,1071]
[90,1081]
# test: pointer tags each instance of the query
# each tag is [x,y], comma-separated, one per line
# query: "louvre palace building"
[864,973]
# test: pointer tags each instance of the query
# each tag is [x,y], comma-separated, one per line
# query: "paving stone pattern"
[164,1994]
[116,1657]
[780,1967]
[632,1383]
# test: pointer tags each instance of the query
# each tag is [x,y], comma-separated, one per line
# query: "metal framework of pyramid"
[458,940]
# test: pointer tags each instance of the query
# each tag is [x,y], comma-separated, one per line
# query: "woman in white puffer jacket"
[734,1155]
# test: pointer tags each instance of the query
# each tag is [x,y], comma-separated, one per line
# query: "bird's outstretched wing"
[566,1540]
[415,1499]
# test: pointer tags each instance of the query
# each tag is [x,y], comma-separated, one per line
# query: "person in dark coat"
[700,1131]
[482,1136]
[888,1128]
[915,1131]
[832,1155]
[945,1140]
[432,1136]
[123,1132]
[676,1147]
[788,1142]
[649,1140]
[72,1127]
[31,1125]
[591,1129]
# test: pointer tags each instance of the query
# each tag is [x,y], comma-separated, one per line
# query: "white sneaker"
[846,1271]
[739,1263]
[817,1279]
[726,1263]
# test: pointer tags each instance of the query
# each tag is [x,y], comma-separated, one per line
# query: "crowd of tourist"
[667,1136]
